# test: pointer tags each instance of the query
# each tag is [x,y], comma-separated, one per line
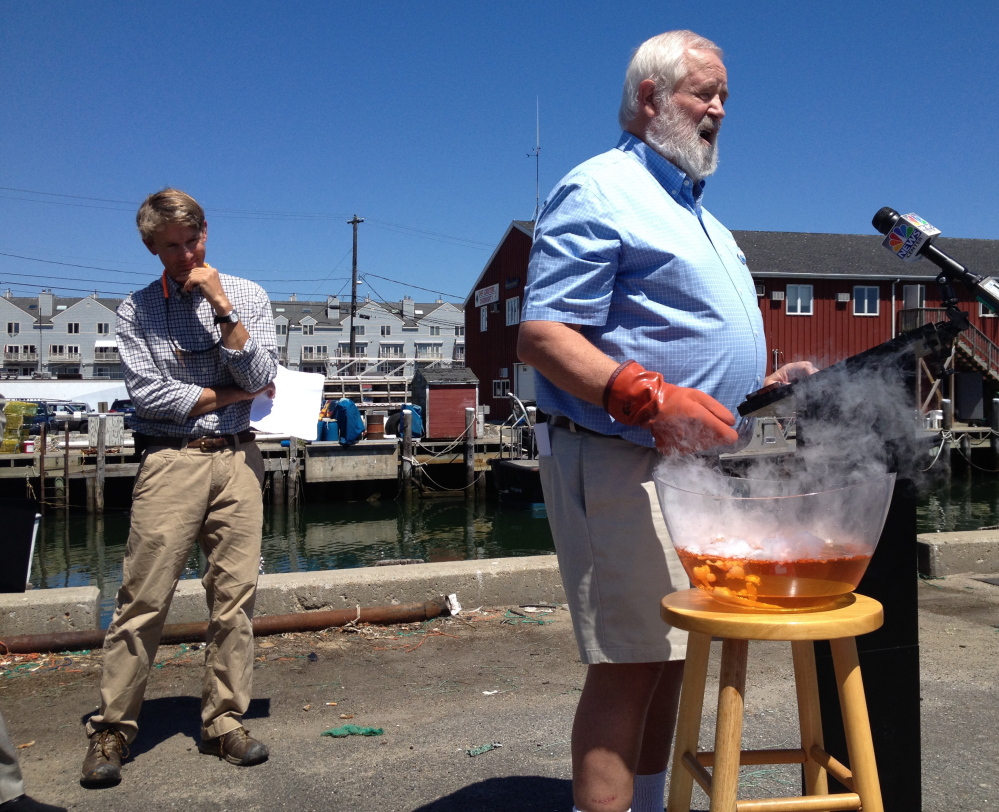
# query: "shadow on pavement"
[527,793]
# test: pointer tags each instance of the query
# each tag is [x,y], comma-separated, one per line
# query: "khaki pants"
[183,495]
[11,784]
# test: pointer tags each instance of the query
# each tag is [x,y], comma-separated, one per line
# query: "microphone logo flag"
[909,234]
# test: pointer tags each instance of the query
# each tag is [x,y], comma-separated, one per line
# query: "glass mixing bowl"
[762,545]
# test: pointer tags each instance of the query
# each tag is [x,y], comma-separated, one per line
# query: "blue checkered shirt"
[170,351]
[623,247]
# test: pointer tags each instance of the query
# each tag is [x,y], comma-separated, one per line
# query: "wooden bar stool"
[704,618]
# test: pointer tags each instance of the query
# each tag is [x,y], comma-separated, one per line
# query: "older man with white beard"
[641,320]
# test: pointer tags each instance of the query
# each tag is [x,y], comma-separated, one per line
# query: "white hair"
[662,59]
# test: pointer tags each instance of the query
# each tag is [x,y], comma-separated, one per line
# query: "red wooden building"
[492,316]
[824,297]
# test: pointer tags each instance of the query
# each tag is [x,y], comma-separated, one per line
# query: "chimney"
[9,294]
[293,297]
[408,308]
[332,307]
[46,303]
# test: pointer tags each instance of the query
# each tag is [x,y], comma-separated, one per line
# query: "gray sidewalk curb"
[969,551]
[492,581]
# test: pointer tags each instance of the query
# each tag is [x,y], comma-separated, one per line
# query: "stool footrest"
[806,803]
[797,756]
[836,768]
[701,775]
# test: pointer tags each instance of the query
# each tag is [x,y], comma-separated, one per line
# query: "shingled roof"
[795,254]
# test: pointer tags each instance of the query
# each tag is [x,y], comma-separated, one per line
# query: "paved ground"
[441,689]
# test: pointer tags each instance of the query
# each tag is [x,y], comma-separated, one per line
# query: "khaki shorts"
[613,548]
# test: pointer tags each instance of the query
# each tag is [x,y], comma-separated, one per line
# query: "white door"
[523,382]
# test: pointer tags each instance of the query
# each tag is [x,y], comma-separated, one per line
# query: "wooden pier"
[46,471]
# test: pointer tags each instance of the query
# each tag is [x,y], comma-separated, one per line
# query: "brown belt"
[562,422]
[204,443]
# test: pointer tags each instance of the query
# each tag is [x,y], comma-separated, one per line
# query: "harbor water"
[82,550]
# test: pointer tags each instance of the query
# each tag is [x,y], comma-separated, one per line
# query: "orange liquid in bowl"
[782,586]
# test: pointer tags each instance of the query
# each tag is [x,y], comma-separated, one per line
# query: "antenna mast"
[536,154]
[353,285]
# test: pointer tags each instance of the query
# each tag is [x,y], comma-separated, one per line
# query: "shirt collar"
[682,188]
[175,290]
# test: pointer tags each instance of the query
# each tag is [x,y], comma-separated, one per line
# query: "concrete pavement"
[445,687]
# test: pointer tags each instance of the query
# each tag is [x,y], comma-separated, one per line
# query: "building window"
[513,311]
[13,328]
[865,300]
[392,351]
[459,331]
[483,318]
[386,329]
[359,329]
[435,331]
[308,329]
[985,311]
[913,297]
[428,351]
[281,329]
[103,328]
[501,388]
[73,327]
[459,352]
[799,300]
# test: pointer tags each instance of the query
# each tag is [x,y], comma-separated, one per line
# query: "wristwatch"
[229,318]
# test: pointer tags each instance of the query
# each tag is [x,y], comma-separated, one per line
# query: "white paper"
[294,410]
[543,439]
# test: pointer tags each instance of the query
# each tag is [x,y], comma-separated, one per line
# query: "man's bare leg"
[609,731]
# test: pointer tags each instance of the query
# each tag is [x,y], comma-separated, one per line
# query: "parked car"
[55,414]
[124,406]
[74,413]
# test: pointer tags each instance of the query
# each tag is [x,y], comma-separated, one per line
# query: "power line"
[417,287]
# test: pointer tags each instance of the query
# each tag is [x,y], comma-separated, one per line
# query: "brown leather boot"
[237,747]
[102,766]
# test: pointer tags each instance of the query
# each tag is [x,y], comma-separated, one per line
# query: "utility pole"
[353,285]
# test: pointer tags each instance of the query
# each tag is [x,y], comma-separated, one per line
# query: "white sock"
[574,809]
[649,792]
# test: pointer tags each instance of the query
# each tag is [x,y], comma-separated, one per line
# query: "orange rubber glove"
[681,420]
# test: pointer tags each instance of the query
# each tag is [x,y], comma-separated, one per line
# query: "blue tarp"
[393,424]
[349,422]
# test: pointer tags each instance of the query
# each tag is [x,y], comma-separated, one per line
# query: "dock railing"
[978,346]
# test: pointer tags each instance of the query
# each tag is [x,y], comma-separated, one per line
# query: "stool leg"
[728,733]
[688,724]
[856,723]
[809,714]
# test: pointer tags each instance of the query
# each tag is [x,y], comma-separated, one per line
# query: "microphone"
[910,237]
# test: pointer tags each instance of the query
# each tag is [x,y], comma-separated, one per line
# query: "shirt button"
[686,183]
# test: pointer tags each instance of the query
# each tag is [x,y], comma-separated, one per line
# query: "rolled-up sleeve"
[254,366]
[155,396]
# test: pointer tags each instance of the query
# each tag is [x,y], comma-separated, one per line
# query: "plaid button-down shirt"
[171,349]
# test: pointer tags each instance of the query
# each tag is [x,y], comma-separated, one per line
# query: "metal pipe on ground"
[262,626]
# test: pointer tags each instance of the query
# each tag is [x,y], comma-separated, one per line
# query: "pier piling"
[469,452]
[947,439]
[407,455]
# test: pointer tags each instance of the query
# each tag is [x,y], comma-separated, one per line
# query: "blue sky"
[285,119]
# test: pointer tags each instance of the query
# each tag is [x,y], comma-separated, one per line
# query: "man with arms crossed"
[196,347]
[642,321]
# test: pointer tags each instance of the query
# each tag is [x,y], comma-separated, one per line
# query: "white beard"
[677,139]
